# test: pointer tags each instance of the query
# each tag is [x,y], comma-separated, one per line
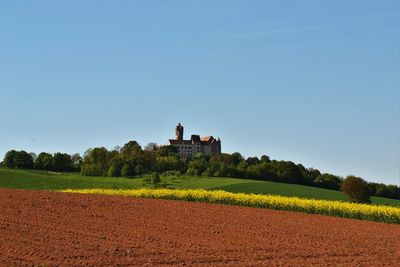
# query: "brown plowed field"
[58,229]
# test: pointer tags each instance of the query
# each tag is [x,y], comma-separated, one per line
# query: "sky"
[314,82]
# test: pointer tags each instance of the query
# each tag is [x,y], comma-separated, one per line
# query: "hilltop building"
[196,144]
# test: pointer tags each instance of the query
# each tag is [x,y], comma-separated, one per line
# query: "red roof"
[207,139]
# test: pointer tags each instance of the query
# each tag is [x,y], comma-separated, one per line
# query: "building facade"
[196,144]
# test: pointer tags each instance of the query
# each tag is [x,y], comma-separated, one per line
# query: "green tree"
[231,159]
[252,160]
[34,157]
[18,159]
[9,159]
[128,170]
[197,166]
[264,158]
[130,149]
[242,169]
[287,171]
[44,161]
[96,162]
[263,170]
[168,163]
[151,147]
[165,151]
[329,181]
[62,162]
[24,160]
[309,175]
[76,161]
[115,168]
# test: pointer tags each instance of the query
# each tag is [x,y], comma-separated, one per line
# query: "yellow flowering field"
[325,207]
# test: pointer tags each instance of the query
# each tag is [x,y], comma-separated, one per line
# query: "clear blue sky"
[315,82]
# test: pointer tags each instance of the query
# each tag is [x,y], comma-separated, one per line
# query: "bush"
[156,180]
[153,179]
[356,189]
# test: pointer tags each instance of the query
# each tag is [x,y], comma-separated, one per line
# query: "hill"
[26,179]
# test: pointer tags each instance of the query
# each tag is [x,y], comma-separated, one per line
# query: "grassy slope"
[41,180]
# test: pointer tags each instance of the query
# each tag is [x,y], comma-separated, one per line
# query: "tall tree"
[44,161]
[18,159]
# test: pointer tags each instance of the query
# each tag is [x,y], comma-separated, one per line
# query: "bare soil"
[39,228]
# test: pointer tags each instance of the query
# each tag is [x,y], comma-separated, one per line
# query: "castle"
[196,144]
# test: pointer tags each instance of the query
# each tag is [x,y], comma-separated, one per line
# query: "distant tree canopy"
[327,180]
[132,161]
[18,160]
[44,161]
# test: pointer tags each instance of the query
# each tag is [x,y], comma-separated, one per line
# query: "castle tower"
[179,132]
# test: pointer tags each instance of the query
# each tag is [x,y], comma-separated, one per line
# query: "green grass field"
[25,179]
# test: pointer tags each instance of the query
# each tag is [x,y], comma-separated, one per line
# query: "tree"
[329,181]
[288,172]
[310,174]
[264,158]
[76,161]
[115,168]
[168,163]
[263,170]
[165,151]
[96,162]
[34,157]
[44,161]
[356,189]
[151,147]
[252,160]
[24,160]
[128,170]
[62,162]
[18,159]
[130,149]
[234,159]
[242,169]
[198,165]
[389,191]
[9,159]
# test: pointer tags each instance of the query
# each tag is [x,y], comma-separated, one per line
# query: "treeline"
[133,161]
[59,162]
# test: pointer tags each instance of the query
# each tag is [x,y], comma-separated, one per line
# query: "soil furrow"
[58,229]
